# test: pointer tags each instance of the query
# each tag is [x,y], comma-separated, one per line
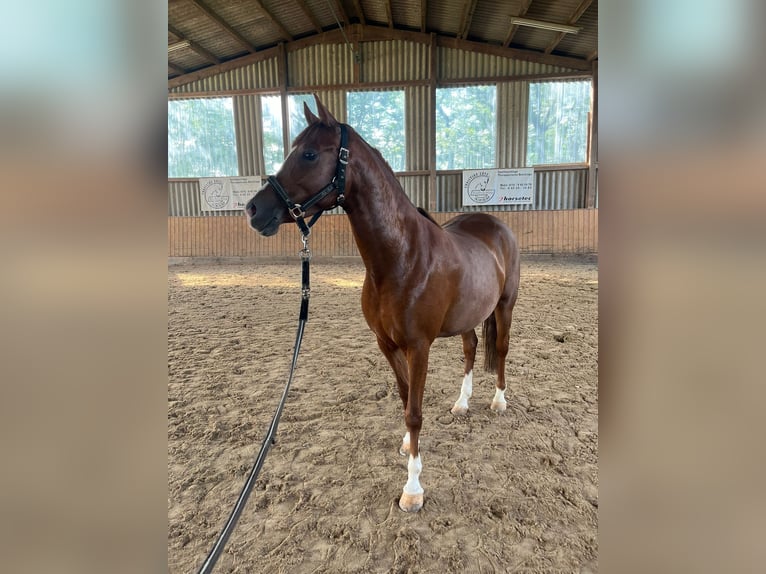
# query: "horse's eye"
[309,155]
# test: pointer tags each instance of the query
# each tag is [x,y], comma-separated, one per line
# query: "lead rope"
[270,439]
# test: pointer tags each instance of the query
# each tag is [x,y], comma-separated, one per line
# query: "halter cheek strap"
[338,185]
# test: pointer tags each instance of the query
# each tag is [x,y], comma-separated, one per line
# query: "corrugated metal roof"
[445,16]
[200,29]
[323,13]
[375,12]
[406,13]
[267,23]
[586,39]
[491,22]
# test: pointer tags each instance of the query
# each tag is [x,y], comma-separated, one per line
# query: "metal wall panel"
[596,174]
[449,191]
[419,116]
[454,64]
[335,102]
[248,127]
[184,201]
[561,189]
[320,65]
[394,61]
[416,188]
[260,75]
[554,190]
[512,120]
[184,198]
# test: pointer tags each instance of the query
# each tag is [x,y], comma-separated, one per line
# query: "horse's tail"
[489,332]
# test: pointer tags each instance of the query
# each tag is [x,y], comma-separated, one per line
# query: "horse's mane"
[427,215]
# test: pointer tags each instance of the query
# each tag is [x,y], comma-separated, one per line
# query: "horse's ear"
[310,117]
[324,115]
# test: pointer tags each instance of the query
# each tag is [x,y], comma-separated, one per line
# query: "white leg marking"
[414,466]
[461,405]
[404,450]
[412,493]
[498,403]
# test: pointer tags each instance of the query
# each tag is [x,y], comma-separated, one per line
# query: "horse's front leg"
[398,362]
[417,361]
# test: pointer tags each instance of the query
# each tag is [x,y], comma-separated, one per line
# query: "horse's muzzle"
[260,220]
[250,209]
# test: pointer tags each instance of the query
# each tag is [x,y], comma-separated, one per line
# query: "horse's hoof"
[411,502]
[497,407]
[459,411]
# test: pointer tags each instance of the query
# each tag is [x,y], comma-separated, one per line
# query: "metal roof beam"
[360,12]
[307,11]
[465,25]
[342,11]
[177,69]
[223,24]
[576,15]
[514,27]
[282,30]
[389,15]
[194,46]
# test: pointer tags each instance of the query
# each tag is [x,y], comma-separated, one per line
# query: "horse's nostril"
[250,209]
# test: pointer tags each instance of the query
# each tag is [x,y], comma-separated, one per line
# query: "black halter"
[338,184]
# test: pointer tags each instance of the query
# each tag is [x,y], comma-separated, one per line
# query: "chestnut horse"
[422,280]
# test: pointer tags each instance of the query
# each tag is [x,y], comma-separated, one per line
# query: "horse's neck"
[383,219]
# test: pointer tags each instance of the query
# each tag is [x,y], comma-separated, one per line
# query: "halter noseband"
[338,184]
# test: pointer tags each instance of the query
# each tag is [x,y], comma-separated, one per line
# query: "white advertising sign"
[227,193]
[499,186]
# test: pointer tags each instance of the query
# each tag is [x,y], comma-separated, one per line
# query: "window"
[379,118]
[273,148]
[201,139]
[297,117]
[466,124]
[558,122]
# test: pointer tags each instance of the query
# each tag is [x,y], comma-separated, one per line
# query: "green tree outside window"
[201,138]
[558,122]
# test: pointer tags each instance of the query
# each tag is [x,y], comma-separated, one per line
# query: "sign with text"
[499,186]
[227,193]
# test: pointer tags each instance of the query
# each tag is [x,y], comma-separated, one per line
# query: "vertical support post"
[590,195]
[433,70]
[355,34]
[283,98]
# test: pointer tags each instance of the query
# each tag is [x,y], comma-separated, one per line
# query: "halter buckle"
[343,155]
[297,211]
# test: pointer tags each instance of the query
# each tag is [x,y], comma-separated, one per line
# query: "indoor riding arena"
[474,107]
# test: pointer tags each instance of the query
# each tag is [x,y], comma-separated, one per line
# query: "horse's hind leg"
[470,341]
[503,316]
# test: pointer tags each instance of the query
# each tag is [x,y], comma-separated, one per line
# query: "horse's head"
[309,169]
